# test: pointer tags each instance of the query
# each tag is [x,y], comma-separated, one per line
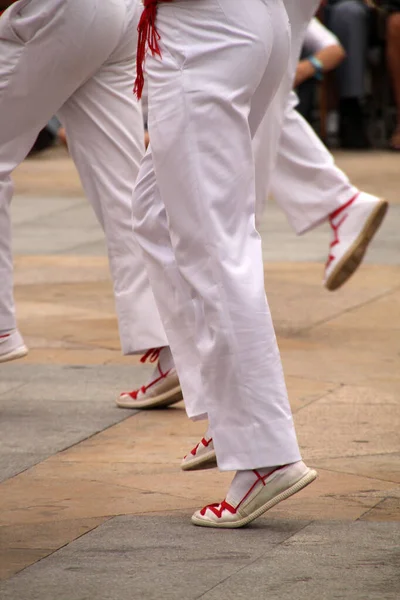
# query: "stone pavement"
[92,502]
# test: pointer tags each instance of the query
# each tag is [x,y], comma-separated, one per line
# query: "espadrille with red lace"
[162,390]
[354,225]
[202,456]
[265,492]
[12,346]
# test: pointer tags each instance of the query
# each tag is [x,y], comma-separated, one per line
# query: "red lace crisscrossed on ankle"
[218,509]
[202,441]
[152,355]
[335,227]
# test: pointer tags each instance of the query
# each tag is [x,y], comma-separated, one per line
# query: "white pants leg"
[304,180]
[306,183]
[79,58]
[267,139]
[104,126]
[222,63]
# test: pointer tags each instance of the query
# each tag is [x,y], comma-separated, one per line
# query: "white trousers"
[304,180]
[194,215]
[77,58]
[306,183]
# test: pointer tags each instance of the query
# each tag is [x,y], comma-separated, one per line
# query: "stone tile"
[324,561]
[144,454]
[90,249]
[350,422]
[335,496]
[73,355]
[51,408]
[367,339]
[71,383]
[46,173]
[378,466]
[387,510]
[328,359]
[90,304]
[305,391]
[60,269]
[23,545]
[298,301]
[33,210]
[376,280]
[74,216]
[30,499]
[51,535]
[148,557]
[375,172]
[8,386]
[13,560]
[36,240]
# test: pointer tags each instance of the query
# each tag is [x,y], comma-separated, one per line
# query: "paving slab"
[281,243]
[33,209]
[147,557]
[157,557]
[63,225]
[22,545]
[74,464]
[324,561]
[46,410]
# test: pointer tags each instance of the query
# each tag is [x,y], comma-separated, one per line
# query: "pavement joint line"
[330,470]
[270,551]
[358,455]
[370,509]
[13,389]
[134,413]
[348,310]
[145,491]
[323,395]
[53,551]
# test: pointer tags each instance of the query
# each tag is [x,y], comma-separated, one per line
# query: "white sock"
[166,360]
[242,483]
[164,364]
[208,435]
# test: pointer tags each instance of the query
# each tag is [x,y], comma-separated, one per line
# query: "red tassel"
[148,37]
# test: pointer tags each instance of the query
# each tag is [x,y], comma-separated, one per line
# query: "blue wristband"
[318,66]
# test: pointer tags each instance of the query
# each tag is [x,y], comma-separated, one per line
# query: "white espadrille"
[354,226]
[202,456]
[163,390]
[266,492]
[12,346]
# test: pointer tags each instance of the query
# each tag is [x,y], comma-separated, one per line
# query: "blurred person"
[350,21]
[393,61]
[52,133]
[321,53]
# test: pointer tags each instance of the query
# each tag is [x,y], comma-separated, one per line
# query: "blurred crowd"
[357,105]
[348,78]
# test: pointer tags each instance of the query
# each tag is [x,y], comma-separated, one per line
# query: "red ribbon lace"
[335,227]
[148,38]
[152,356]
